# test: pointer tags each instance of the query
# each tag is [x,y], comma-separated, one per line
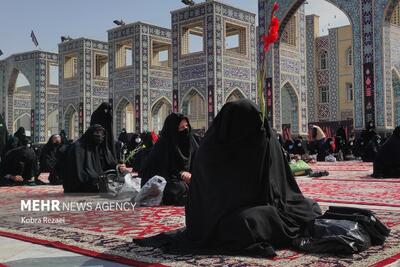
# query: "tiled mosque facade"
[83,82]
[204,79]
[372,42]
[210,57]
[35,106]
[140,81]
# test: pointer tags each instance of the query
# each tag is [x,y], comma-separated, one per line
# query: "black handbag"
[110,182]
[375,228]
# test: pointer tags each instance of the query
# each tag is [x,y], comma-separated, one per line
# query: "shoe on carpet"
[319,174]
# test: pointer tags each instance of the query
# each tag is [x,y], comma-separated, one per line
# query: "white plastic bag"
[131,187]
[152,192]
[330,158]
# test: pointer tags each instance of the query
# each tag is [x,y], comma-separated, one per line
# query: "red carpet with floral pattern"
[109,234]
[368,192]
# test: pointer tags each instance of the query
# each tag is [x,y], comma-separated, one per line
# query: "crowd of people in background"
[22,162]
[368,147]
[336,148]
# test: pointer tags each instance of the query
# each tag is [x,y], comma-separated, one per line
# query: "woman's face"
[183,125]
[99,136]
[56,139]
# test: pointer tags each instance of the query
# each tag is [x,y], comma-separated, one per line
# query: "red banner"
[137,113]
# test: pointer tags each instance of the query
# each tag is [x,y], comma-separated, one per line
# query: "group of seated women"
[236,185]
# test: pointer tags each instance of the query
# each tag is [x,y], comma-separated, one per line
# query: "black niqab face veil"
[171,124]
[103,116]
[240,169]
[162,159]
[174,137]
[85,161]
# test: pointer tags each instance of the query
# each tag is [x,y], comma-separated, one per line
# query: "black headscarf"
[21,135]
[341,132]
[289,146]
[329,145]
[387,161]
[48,157]
[299,147]
[103,116]
[123,136]
[84,161]
[20,161]
[64,139]
[163,159]
[12,142]
[371,149]
[243,195]
[141,157]
[340,144]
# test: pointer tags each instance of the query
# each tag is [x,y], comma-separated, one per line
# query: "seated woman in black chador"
[48,158]
[243,197]
[349,148]
[19,165]
[63,136]
[330,146]
[15,140]
[371,148]
[342,133]
[103,116]
[172,158]
[289,146]
[85,160]
[21,135]
[299,146]
[48,155]
[139,160]
[387,161]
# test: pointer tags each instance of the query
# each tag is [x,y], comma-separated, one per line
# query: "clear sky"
[92,18]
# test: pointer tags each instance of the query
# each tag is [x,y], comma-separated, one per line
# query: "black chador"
[48,157]
[85,160]
[103,116]
[20,161]
[243,198]
[171,155]
[141,157]
[387,161]
[21,135]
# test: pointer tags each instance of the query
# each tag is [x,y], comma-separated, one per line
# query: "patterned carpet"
[376,193]
[109,234]
[342,166]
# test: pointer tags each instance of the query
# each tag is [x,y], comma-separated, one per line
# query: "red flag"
[273,30]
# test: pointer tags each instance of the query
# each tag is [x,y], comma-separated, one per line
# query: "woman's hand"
[122,168]
[17,178]
[186,177]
